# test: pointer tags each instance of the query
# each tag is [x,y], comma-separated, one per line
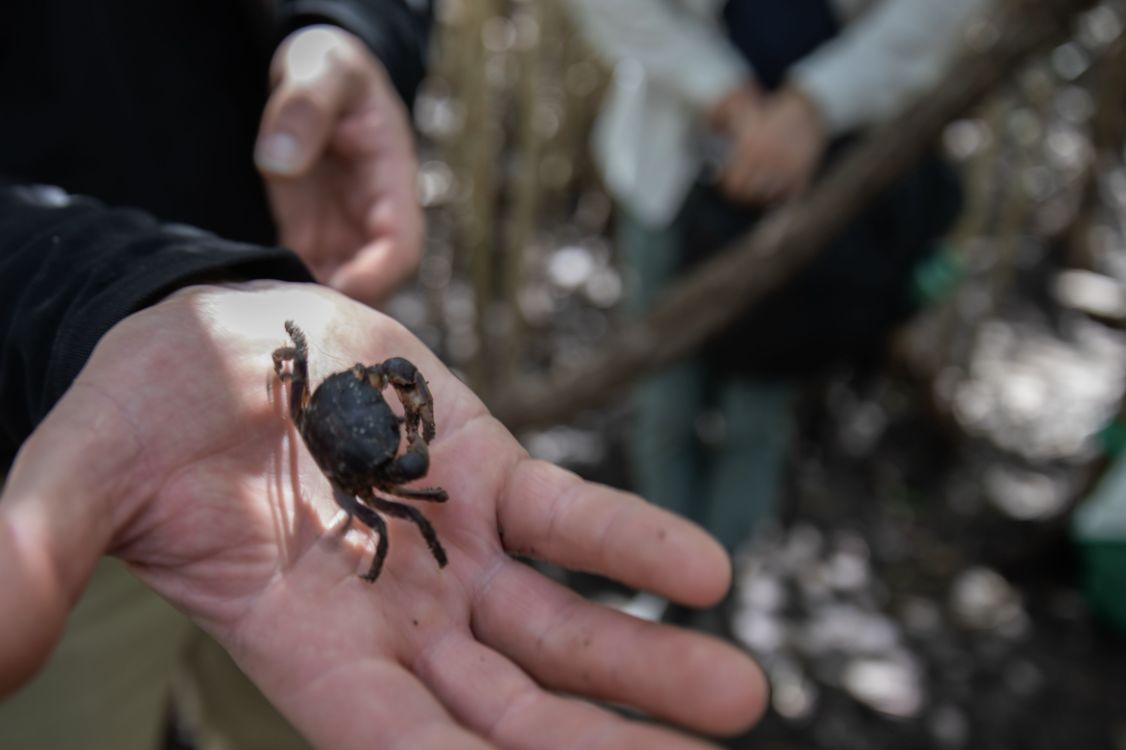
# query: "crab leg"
[398,510]
[298,375]
[370,518]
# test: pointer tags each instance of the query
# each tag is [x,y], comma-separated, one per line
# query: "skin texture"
[336,153]
[777,141]
[174,451]
[735,106]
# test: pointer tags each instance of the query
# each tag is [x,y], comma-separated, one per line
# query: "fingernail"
[279,153]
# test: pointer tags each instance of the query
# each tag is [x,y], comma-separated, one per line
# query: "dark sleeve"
[71,268]
[396,31]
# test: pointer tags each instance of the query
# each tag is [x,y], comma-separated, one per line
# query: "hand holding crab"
[167,453]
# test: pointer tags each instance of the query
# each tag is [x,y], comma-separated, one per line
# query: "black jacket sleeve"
[71,268]
[396,31]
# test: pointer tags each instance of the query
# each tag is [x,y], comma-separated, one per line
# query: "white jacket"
[672,60]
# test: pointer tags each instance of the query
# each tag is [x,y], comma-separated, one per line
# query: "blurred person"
[716,111]
[147,430]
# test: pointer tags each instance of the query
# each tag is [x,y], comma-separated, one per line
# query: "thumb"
[35,605]
[58,514]
[316,79]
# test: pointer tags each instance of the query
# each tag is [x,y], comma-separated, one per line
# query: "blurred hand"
[174,450]
[336,153]
[775,152]
[738,106]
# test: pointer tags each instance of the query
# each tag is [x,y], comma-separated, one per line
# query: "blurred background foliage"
[923,589]
[519,272]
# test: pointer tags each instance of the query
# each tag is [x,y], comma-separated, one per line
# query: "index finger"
[550,514]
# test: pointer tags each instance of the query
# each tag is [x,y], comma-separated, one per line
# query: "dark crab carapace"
[354,436]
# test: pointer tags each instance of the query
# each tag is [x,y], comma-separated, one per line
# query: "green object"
[937,274]
[1099,530]
[1104,581]
[1112,438]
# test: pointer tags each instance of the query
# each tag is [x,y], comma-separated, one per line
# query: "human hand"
[336,152]
[174,451]
[774,152]
[739,105]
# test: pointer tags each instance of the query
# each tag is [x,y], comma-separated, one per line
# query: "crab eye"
[413,464]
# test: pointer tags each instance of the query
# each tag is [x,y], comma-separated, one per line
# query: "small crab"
[353,436]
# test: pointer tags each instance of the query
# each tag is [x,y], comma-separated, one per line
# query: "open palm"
[193,474]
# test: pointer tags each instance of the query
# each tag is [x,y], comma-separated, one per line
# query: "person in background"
[135,333]
[717,111]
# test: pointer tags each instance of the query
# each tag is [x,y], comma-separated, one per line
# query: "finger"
[489,693]
[381,265]
[318,76]
[548,513]
[63,501]
[373,274]
[570,644]
[35,602]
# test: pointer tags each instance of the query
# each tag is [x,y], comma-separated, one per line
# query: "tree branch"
[790,237]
